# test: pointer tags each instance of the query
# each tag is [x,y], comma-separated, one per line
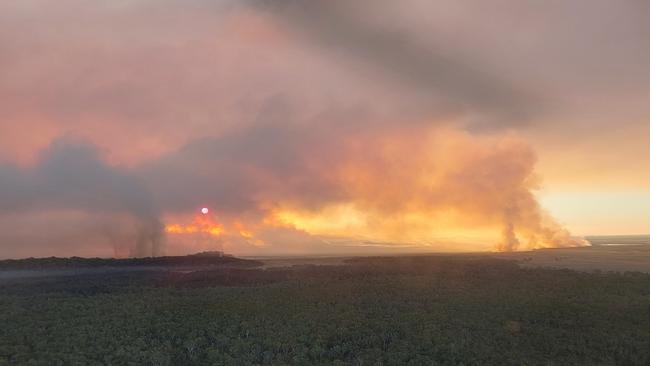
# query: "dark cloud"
[71,176]
[342,27]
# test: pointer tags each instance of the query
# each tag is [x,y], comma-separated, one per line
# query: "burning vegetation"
[430,187]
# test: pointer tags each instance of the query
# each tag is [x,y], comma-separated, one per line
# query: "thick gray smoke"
[447,81]
[71,176]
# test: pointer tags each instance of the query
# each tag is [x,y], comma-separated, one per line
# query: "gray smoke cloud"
[387,174]
[70,175]
[250,105]
[448,82]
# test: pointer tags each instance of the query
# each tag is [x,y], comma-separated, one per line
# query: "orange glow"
[193,229]
[415,227]
[245,233]
[203,223]
[206,224]
[481,197]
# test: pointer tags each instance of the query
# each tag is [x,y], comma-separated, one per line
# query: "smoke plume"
[414,184]
[70,177]
[447,82]
[304,126]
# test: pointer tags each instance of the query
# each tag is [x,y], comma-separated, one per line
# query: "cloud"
[447,80]
[415,183]
[389,121]
[70,176]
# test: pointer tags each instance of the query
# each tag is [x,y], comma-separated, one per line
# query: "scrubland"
[413,310]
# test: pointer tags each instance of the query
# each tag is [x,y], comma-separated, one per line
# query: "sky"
[321,127]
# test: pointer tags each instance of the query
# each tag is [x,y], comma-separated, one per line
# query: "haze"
[321,127]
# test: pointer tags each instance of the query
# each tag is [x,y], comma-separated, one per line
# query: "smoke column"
[70,176]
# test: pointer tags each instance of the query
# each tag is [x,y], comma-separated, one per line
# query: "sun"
[205,210]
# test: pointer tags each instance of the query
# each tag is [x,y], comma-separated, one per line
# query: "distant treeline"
[619,240]
[201,259]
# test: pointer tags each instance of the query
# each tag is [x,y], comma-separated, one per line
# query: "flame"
[214,230]
[207,224]
[455,189]
[202,224]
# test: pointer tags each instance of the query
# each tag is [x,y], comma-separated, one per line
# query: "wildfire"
[203,223]
[214,230]
[206,223]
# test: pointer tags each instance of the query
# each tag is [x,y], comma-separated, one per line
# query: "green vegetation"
[374,311]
